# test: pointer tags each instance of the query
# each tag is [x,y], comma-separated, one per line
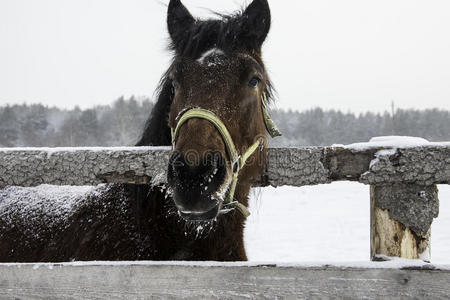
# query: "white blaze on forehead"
[210,52]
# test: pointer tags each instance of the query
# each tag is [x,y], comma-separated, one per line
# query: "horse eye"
[254,82]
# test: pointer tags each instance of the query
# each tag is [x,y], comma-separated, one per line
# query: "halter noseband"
[237,161]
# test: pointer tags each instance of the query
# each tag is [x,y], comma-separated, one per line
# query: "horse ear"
[179,19]
[256,23]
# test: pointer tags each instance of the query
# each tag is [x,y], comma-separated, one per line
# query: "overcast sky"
[353,55]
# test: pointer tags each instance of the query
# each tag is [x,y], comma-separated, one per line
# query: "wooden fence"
[403,196]
[146,280]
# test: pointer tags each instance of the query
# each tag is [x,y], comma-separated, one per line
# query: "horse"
[212,109]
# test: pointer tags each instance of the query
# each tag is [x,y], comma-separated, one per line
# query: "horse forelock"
[223,33]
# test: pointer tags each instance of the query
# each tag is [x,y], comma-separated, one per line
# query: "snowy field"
[326,223]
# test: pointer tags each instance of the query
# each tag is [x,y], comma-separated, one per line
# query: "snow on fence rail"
[403,196]
[424,165]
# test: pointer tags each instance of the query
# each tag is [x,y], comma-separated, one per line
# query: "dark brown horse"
[213,97]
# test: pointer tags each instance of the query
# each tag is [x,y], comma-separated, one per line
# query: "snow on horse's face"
[217,68]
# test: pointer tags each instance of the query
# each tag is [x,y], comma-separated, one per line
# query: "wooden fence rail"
[427,165]
[220,281]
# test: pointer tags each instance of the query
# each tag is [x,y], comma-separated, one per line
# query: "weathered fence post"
[400,220]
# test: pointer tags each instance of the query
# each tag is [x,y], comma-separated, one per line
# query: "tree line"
[37,125]
[326,127]
[121,124]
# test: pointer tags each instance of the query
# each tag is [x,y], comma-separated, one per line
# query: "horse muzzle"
[195,183]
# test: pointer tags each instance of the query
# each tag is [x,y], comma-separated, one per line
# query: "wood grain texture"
[413,205]
[200,282]
[82,166]
[400,222]
[286,166]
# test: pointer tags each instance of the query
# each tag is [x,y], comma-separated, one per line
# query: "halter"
[237,161]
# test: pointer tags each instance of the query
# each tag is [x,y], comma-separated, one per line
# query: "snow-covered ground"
[326,223]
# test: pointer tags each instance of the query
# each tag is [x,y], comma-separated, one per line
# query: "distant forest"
[122,123]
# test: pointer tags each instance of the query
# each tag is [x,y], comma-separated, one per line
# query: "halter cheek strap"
[270,124]
[237,161]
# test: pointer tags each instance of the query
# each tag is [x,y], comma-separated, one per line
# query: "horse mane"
[156,129]
[225,33]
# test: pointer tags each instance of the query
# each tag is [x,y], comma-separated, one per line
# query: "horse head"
[219,89]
